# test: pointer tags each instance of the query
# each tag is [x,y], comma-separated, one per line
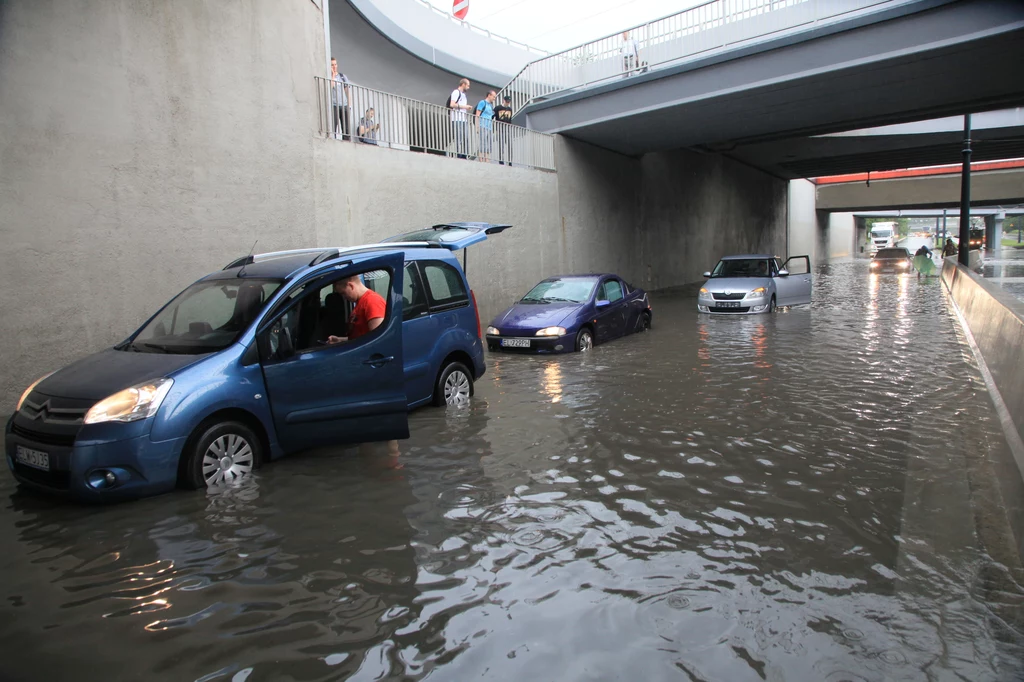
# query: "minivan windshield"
[742,267]
[206,317]
[576,290]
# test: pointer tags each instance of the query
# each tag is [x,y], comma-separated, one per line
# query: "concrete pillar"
[994,231]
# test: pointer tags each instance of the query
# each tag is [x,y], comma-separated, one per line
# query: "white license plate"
[32,458]
[515,343]
[728,304]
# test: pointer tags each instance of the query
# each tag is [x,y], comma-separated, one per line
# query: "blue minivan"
[237,370]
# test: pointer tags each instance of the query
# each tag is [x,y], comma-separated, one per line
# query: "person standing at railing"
[630,55]
[368,128]
[485,119]
[503,114]
[339,100]
[458,104]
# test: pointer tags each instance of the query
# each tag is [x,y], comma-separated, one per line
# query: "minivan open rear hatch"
[452,236]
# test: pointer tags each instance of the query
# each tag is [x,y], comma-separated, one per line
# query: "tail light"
[476,309]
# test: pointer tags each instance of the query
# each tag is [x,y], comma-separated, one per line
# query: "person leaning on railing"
[459,105]
[503,115]
[339,100]
[368,128]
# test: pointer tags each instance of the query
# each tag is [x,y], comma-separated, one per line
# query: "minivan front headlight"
[131,404]
[21,400]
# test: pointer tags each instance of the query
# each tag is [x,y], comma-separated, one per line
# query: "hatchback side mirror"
[783,273]
[601,303]
[707,274]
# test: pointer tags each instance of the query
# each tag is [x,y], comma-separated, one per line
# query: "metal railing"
[483,31]
[713,25]
[402,123]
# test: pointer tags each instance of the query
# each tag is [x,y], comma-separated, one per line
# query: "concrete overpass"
[764,102]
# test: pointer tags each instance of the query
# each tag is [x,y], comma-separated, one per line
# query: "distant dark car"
[893,259]
[571,313]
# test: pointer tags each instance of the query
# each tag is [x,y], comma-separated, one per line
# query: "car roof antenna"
[246,262]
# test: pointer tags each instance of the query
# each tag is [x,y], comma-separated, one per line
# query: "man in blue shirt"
[485,117]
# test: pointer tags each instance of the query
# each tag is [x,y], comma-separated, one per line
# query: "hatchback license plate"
[32,458]
[515,343]
[729,304]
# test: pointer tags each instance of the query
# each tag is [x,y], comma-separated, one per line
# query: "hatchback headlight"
[28,390]
[132,404]
[758,292]
[552,331]
[704,291]
[493,331]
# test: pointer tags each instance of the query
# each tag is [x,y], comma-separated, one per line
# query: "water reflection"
[774,497]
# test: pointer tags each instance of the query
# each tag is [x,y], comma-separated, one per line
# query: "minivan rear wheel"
[454,385]
[223,453]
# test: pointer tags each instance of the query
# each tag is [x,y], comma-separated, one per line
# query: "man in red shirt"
[369,310]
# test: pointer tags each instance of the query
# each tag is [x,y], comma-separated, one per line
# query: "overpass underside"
[761,103]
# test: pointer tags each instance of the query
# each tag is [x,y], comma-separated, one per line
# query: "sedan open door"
[794,281]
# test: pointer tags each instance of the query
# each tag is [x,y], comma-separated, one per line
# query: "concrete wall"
[443,42]
[842,232]
[995,321]
[804,231]
[142,145]
[936,191]
[359,199]
[369,58]
[697,208]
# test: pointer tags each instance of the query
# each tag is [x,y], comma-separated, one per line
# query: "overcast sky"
[556,25]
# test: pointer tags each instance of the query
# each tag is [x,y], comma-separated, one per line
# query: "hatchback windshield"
[561,291]
[206,317]
[892,253]
[741,267]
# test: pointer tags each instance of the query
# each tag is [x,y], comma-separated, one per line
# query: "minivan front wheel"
[223,453]
[454,385]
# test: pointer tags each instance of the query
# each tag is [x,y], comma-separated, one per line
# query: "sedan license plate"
[515,343]
[729,304]
[32,458]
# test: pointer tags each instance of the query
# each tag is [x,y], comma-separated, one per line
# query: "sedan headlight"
[552,331]
[131,404]
[28,390]
[493,331]
[757,293]
[904,264]
[874,264]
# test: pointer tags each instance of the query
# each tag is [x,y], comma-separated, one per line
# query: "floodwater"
[1006,268]
[806,496]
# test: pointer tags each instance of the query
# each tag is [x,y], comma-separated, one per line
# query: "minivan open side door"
[352,392]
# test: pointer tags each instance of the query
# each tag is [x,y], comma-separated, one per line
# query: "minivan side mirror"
[707,274]
[783,272]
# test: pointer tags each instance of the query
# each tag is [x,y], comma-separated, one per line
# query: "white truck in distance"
[884,235]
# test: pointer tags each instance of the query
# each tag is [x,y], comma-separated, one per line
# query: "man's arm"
[374,323]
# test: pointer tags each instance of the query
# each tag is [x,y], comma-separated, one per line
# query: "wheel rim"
[228,458]
[646,324]
[586,341]
[456,388]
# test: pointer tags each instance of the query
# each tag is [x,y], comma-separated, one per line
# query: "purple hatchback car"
[571,313]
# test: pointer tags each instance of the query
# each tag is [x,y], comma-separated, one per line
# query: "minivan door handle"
[378,360]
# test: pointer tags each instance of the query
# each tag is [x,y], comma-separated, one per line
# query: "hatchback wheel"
[772,307]
[644,324]
[223,453]
[584,340]
[454,385]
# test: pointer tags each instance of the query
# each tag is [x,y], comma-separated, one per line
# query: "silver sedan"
[755,283]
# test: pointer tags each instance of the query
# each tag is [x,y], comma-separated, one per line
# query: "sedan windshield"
[206,317]
[561,291]
[892,253]
[741,267]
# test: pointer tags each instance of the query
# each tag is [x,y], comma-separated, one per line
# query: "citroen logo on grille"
[43,410]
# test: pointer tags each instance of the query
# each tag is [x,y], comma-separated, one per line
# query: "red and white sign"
[460,8]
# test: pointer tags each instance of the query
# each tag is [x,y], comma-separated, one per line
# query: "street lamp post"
[965,197]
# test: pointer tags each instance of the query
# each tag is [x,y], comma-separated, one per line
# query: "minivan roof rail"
[324,253]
